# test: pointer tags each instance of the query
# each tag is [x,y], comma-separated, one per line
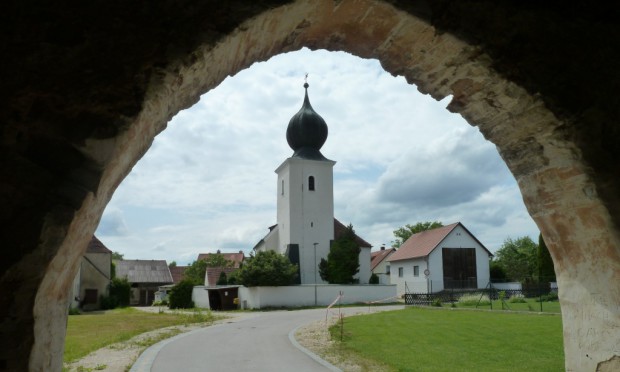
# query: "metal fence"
[535,297]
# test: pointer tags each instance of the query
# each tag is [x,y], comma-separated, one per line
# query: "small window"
[311,183]
[416,271]
[387,269]
[400,272]
[282,189]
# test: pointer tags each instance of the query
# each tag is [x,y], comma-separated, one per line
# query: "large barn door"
[459,268]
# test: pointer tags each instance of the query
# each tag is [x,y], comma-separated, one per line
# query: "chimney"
[383,247]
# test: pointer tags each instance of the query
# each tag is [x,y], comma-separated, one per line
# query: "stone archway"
[566,198]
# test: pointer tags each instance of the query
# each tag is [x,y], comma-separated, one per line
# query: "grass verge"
[89,332]
[417,339]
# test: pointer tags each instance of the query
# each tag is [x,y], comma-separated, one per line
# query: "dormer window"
[311,183]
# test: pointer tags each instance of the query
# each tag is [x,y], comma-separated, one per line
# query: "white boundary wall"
[304,295]
[200,296]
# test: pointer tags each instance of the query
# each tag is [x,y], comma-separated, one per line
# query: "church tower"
[306,195]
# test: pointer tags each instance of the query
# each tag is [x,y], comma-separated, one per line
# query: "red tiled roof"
[178,273]
[377,257]
[237,258]
[96,246]
[339,229]
[422,243]
[213,274]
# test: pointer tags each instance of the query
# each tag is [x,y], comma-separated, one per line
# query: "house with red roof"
[448,257]
[379,264]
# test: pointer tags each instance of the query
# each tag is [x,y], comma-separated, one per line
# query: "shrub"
[267,268]
[120,290]
[473,300]
[160,303]
[107,302]
[517,300]
[548,297]
[74,311]
[181,295]
[437,302]
[374,279]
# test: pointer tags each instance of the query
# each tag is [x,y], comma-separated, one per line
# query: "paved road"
[257,341]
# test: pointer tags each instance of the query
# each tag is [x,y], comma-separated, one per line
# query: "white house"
[93,276]
[305,201]
[448,257]
[379,264]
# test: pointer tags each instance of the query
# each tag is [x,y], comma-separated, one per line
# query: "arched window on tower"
[311,183]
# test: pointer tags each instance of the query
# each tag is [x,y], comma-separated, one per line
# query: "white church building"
[306,225]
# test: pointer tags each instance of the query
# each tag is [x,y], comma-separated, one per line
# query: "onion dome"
[307,132]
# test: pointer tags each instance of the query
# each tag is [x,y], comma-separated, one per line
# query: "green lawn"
[419,339]
[89,332]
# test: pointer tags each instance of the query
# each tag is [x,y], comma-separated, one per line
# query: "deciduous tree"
[518,258]
[196,272]
[218,260]
[403,233]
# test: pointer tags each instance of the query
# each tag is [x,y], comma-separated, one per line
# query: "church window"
[282,191]
[311,183]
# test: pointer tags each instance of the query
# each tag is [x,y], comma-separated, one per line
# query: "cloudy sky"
[208,181]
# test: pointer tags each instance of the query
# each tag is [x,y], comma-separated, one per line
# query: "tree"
[172,264]
[218,260]
[267,268]
[546,272]
[196,272]
[117,256]
[342,261]
[180,296]
[403,233]
[518,258]
[496,270]
[374,279]
[233,278]
[222,280]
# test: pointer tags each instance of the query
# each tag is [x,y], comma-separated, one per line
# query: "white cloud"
[207,182]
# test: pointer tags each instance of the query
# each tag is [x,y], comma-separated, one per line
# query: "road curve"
[256,341]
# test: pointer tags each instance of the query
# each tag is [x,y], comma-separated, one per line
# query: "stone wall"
[86,87]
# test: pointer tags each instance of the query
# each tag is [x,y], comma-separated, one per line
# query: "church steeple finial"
[307,131]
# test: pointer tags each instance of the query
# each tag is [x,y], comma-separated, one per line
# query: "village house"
[448,257]
[93,276]
[379,264]
[145,277]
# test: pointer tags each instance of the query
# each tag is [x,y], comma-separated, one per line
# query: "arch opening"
[556,183]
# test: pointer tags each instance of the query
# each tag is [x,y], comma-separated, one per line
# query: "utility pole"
[315,270]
